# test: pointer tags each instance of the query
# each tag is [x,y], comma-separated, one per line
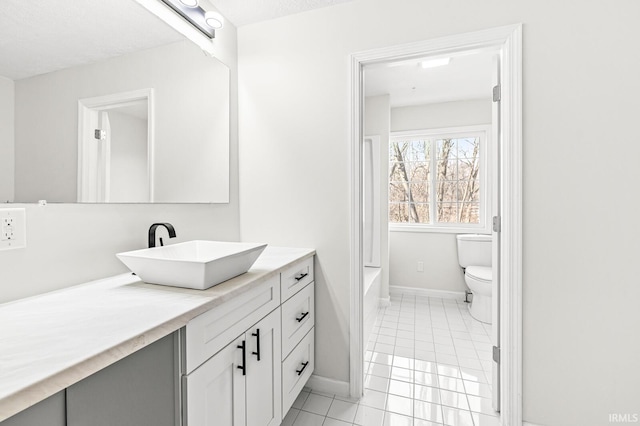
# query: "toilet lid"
[482,273]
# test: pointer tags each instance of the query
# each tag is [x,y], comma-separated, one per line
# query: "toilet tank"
[474,250]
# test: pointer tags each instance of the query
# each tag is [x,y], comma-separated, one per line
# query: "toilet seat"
[483,274]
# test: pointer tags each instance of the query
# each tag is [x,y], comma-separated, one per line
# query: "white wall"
[73,243]
[377,122]
[191,95]
[7,92]
[438,251]
[440,115]
[580,226]
[70,244]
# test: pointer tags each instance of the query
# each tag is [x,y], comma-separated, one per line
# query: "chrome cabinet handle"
[243,367]
[304,315]
[257,336]
[304,365]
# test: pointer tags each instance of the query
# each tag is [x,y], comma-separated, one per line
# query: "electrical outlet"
[6,233]
[12,229]
[421,266]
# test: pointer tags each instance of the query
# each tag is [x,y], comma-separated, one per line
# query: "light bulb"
[214,20]
[189,3]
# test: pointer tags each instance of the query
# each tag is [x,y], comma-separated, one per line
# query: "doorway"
[507,231]
[115,148]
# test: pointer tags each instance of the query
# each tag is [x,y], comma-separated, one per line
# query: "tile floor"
[428,362]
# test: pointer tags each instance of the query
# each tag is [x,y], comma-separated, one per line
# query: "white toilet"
[474,255]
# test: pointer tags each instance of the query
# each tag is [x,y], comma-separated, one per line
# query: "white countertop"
[51,341]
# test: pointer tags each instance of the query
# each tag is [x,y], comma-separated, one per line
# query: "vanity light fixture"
[432,63]
[205,21]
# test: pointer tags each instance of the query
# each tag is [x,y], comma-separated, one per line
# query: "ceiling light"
[189,3]
[214,20]
[432,63]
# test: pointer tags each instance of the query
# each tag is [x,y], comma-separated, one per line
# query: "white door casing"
[495,212]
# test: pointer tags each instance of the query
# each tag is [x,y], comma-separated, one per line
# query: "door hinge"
[496,93]
[497,224]
[496,354]
[100,134]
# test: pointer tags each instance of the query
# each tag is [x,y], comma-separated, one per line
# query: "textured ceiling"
[41,36]
[243,12]
[407,83]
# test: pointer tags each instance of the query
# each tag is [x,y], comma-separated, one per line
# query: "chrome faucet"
[152,233]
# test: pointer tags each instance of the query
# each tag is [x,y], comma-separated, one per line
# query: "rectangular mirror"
[118,109]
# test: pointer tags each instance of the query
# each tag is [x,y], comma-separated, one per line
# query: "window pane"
[417,171]
[398,213]
[447,212]
[397,192]
[468,168]
[422,210]
[412,170]
[445,149]
[447,170]
[446,191]
[468,147]
[419,151]
[398,150]
[468,191]
[420,192]
[469,213]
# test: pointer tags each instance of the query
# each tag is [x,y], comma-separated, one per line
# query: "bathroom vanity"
[120,351]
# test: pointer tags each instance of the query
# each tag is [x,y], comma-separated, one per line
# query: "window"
[437,179]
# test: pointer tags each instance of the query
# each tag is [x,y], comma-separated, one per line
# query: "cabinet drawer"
[208,333]
[296,370]
[298,316]
[296,277]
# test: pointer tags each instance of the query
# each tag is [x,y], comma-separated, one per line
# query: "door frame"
[104,103]
[508,40]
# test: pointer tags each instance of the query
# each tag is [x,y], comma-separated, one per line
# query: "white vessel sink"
[193,264]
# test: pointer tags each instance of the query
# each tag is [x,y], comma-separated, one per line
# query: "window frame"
[483,131]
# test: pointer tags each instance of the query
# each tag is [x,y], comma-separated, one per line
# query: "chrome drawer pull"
[304,365]
[300,277]
[304,314]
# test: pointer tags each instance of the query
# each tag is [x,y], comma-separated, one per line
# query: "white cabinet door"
[264,390]
[216,389]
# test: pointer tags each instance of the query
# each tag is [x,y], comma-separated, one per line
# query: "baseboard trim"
[444,294]
[384,302]
[530,424]
[330,386]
